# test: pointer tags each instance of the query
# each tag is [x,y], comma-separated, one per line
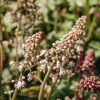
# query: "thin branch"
[16,91]
[52,87]
[1,53]
[38,79]
[18,29]
[44,82]
[91,28]
[14,94]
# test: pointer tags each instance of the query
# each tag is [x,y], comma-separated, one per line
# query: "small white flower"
[23,77]
[58,64]
[20,84]
[10,92]
[20,52]
[78,48]
[54,78]
[80,42]
[72,51]
[62,72]
[63,58]
[42,52]
[71,64]
[23,46]
[42,68]
[36,57]
[43,62]
[12,62]
[20,67]
[43,65]
[26,55]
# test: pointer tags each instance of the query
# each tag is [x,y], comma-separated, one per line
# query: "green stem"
[44,82]
[16,91]
[91,29]
[14,94]
[9,96]
[1,52]
[52,87]
[19,29]
[92,25]
[38,79]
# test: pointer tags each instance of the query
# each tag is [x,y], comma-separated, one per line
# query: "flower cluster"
[93,96]
[28,9]
[84,63]
[72,42]
[89,60]
[30,52]
[9,92]
[68,47]
[30,47]
[90,83]
[20,84]
[30,76]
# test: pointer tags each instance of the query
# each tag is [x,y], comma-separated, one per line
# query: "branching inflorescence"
[65,55]
[30,48]
[68,47]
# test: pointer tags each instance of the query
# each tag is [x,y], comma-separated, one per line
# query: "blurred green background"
[58,17]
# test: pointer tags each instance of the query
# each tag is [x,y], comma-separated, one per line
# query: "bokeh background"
[57,19]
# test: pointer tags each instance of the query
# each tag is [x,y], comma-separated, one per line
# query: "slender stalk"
[16,90]
[44,82]
[9,96]
[52,87]
[18,29]
[1,52]
[91,29]
[14,94]
[37,78]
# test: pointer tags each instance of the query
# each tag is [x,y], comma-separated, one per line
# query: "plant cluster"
[65,55]
[49,65]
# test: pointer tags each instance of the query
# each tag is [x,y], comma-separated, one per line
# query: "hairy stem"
[44,82]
